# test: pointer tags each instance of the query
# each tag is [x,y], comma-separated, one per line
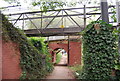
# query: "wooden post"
[104,11]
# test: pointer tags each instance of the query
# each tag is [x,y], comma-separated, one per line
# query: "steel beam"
[53,32]
[118,23]
[33,12]
[58,16]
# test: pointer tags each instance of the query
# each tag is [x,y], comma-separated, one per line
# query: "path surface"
[63,60]
[61,72]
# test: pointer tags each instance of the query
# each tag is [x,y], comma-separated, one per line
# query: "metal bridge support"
[118,23]
[84,16]
[118,11]
[104,11]
[68,49]
[0,24]
[0,46]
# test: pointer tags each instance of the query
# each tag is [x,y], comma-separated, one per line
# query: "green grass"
[76,68]
[58,58]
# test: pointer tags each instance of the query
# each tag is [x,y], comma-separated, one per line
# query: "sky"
[25,5]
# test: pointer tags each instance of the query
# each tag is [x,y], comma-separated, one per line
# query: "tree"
[46,5]
[13,1]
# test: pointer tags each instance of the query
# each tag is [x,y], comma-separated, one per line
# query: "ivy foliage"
[42,48]
[113,16]
[99,51]
[31,60]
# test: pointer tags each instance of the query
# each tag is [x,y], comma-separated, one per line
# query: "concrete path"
[63,60]
[61,72]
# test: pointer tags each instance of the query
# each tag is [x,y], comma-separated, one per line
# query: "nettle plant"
[99,51]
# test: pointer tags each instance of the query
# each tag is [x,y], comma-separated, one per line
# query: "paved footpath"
[61,72]
[63,60]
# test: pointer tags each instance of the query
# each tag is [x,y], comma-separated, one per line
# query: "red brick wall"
[0,58]
[11,59]
[75,50]
[75,53]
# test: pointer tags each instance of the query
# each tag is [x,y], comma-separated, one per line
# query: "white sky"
[26,3]
[23,2]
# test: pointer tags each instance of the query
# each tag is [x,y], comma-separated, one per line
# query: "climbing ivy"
[31,60]
[39,43]
[99,51]
[113,16]
[117,66]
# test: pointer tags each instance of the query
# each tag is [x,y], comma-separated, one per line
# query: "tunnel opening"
[60,57]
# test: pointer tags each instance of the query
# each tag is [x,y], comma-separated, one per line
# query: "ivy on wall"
[99,51]
[31,60]
[42,48]
[117,66]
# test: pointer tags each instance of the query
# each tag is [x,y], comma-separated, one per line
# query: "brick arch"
[74,52]
[54,54]
[55,45]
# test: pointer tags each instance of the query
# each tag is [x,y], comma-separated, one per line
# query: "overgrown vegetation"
[117,66]
[58,57]
[99,51]
[32,60]
[42,48]
[77,69]
[113,16]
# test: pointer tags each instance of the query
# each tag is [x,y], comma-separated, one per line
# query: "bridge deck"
[53,32]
